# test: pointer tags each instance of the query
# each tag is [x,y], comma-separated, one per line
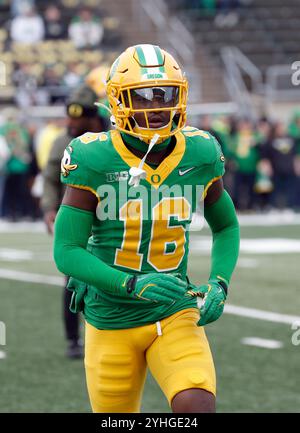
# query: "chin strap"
[138,173]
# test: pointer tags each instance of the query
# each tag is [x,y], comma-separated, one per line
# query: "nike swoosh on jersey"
[182,172]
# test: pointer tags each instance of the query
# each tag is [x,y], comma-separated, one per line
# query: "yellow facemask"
[147,93]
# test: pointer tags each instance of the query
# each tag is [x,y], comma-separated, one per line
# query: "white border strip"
[262,342]
[11,274]
[268,316]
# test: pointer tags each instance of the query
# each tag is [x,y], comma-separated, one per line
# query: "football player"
[129,278]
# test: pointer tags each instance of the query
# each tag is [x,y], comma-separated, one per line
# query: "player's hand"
[49,219]
[155,287]
[214,295]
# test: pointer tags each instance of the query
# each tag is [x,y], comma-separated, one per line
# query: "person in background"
[4,156]
[244,144]
[82,116]
[28,27]
[44,139]
[54,28]
[16,197]
[294,128]
[72,78]
[263,129]
[263,185]
[86,30]
[280,151]
[294,131]
[27,92]
[207,124]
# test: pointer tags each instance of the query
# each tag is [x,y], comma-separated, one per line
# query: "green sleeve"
[72,230]
[222,219]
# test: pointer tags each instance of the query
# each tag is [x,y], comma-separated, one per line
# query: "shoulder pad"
[190,131]
[90,137]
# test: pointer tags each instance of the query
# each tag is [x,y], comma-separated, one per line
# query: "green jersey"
[145,228]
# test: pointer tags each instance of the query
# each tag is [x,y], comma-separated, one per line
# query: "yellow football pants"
[175,349]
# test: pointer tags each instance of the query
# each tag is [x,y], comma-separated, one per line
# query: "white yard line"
[14,255]
[257,246]
[262,342]
[22,227]
[2,354]
[274,218]
[235,310]
[28,277]
[245,262]
[268,316]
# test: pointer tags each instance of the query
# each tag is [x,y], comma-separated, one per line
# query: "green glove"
[214,295]
[155,287]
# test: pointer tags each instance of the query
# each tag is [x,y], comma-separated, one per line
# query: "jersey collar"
[141,145]
[154,176]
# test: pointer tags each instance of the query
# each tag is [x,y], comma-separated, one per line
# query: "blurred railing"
[176,38]
[212,108]
[281,83]
[237,65]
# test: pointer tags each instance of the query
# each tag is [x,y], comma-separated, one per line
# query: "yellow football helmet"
[147,93]
[96,80]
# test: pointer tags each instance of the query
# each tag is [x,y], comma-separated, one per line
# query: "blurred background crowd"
[242,61]
[49,49]
[262,162]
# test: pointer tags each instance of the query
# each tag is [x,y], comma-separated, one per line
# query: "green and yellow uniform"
[137,314]
[148,241]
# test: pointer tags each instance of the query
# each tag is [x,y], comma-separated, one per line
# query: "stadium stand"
[262,29]
[44,73]
[45,63]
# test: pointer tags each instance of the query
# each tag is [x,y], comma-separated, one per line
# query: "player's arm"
[220,214]
[73,226]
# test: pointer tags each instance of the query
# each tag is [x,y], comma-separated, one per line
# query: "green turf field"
[36,377]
